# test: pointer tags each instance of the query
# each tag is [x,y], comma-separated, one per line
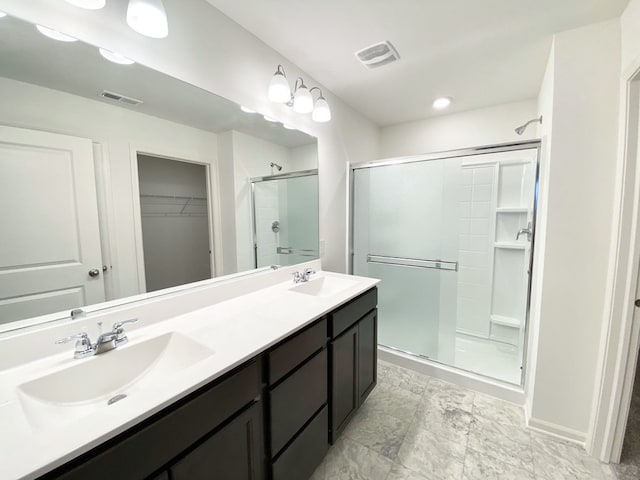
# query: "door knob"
[637,302]
[94,272]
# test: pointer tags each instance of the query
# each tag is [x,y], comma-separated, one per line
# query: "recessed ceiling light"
[115,57]
[56,35]
[441,103]
[269,119]
[288,127]
[88,4]
[2,14]
[246,109]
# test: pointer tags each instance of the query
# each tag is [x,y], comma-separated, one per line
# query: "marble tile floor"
[414,427]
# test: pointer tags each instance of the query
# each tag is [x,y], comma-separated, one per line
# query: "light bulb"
[148,17]
[302,100]
[54,34]
[88,4]
[321,111]
[441,103]
[115,57]
[279,90]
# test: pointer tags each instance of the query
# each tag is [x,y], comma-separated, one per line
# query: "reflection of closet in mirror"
[285,218]
[175,222]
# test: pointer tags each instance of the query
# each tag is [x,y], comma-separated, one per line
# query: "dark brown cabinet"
[234,452]
[298,411]
[352,359]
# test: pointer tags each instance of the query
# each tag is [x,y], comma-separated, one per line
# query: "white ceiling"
[77,68]
[480,52]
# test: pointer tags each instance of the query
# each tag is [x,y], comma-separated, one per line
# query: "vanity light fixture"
[115,57]
[301,100]
[441,103]
[148,17]
[88,4]
[246,109]
[54,34]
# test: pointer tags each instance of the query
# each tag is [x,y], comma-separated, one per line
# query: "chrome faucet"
[304,276]
[525,231]
[104,343]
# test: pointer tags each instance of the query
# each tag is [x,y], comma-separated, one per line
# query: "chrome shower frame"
[464,152]
[254,180]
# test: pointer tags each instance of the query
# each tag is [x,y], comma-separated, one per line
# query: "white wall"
[304,157]
[118,129]
[630,34]
[485,126]
[579,193]
[545,107]
[207,49]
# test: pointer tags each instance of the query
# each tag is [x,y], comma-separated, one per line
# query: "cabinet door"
[344,377]
[367,355]
[234,452]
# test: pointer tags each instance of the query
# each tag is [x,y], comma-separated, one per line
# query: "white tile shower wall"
[476,208]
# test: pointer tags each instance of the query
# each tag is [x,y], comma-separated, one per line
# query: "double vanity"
[255,385]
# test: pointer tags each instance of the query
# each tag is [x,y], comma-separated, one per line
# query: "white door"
[50,256]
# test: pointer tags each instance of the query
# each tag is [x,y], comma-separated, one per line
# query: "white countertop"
[236,330]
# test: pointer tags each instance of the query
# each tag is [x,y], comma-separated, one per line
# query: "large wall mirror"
[118,180]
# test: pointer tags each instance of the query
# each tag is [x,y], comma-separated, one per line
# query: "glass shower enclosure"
[451,237]
[285,218]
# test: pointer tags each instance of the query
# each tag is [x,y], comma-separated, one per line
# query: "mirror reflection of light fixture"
[54,34]
[115,57]
[148,17]
[301,99]
[88,4]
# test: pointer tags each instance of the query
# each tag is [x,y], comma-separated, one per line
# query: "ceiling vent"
[120,98]
[377,55]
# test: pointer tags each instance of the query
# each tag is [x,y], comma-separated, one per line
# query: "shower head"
[520,130]
[279,167]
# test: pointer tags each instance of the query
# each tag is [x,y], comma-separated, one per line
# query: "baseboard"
[555,430]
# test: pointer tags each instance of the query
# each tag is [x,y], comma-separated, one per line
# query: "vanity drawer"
[166,435]
[341,319]
[295,400]
[293,352]
[305,453]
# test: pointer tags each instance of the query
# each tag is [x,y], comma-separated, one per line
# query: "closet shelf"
[155,205]
[506,321]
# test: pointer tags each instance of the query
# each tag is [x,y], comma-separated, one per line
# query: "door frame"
[213,203]
[620,342]
[462,152]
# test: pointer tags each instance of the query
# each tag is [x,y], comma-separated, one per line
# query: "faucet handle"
[82,337]
[119,325]
[308,271]
[83,344]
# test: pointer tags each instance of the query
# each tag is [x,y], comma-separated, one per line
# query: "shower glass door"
[285,214]
[441,235]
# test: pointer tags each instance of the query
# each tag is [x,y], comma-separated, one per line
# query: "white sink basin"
[92,383]
[323,286]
